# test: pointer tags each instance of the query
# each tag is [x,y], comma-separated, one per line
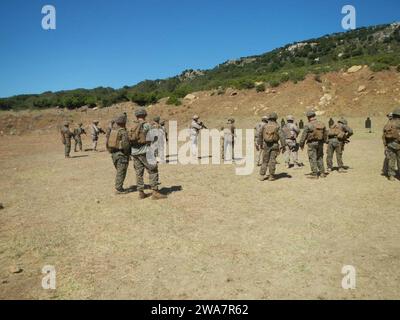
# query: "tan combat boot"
[142,195]
[157,195]
[391,179]
[341,170]
[271,178]
[261,178]
[322,175]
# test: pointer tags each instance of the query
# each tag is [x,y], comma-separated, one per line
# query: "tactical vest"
[271,133]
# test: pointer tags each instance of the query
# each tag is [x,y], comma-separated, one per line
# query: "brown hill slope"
[362,93]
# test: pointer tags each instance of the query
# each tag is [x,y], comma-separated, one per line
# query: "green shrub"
[173,100]
[378,66]
[274,83]
[260,87]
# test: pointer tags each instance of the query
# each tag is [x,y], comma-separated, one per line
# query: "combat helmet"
[396,112]
[310,114]
[141,112]
[342,121]
[157,119]
[121,119]
[272,116]
[289,118]
[264,118]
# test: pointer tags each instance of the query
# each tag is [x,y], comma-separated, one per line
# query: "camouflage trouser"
[78,144]
[334,146]
[269,159]
[94,140]
[291,153]
[315,152]
[393,157]
[121,162]
[227,146]
[140,163]
[67,149]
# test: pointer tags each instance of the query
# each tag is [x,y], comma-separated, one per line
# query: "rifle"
[202,125]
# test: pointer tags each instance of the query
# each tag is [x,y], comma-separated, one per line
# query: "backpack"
[288,132]
[337,131]
[136,134]
[114,142]
[271,133]
[318,131]
[391,131]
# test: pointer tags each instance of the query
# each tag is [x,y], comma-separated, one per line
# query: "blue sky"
[121,42]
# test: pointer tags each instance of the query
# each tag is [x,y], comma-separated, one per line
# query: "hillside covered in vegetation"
[377,46]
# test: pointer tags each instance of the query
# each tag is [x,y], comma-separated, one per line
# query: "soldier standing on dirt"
[269,138]
[385,167]
[195,128]
[257,132]
[391,141]
[66,136]
[338,135]
[140,147]
[315,136]
[228,140]
[96,131]
[119,146]
[77,137]
[291,132]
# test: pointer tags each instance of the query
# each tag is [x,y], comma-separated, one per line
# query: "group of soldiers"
[67,135]
[270,140]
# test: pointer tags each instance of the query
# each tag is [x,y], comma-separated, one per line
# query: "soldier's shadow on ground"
[164,190]
[168,190]
[82,156]
[283,175]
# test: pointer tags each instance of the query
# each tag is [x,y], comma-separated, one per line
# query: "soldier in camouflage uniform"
[77,137]
[385,168]
[391,141]
[291,131]
[259,148]
[66,136]
[141,162]
[337,137]
[315,135]
[228,139]
[120,155]
[96,131]
[271,148]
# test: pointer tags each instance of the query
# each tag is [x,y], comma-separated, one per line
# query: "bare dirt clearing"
[218,235]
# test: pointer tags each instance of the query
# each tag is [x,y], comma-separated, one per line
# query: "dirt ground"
[217,236]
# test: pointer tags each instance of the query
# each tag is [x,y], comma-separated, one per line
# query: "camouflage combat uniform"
[66,136]
[140,163]
[270,149]
[259,148]
[315,147]
[392,144]
[228,139]
[336,144]
[120,150]
[77,138]
[291,132]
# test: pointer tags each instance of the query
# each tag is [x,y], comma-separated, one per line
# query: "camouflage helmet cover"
[272,116]
[290,118]
[157,119]
[141,112]
[195,117]
[310,114]
[121,119]
[396,112]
